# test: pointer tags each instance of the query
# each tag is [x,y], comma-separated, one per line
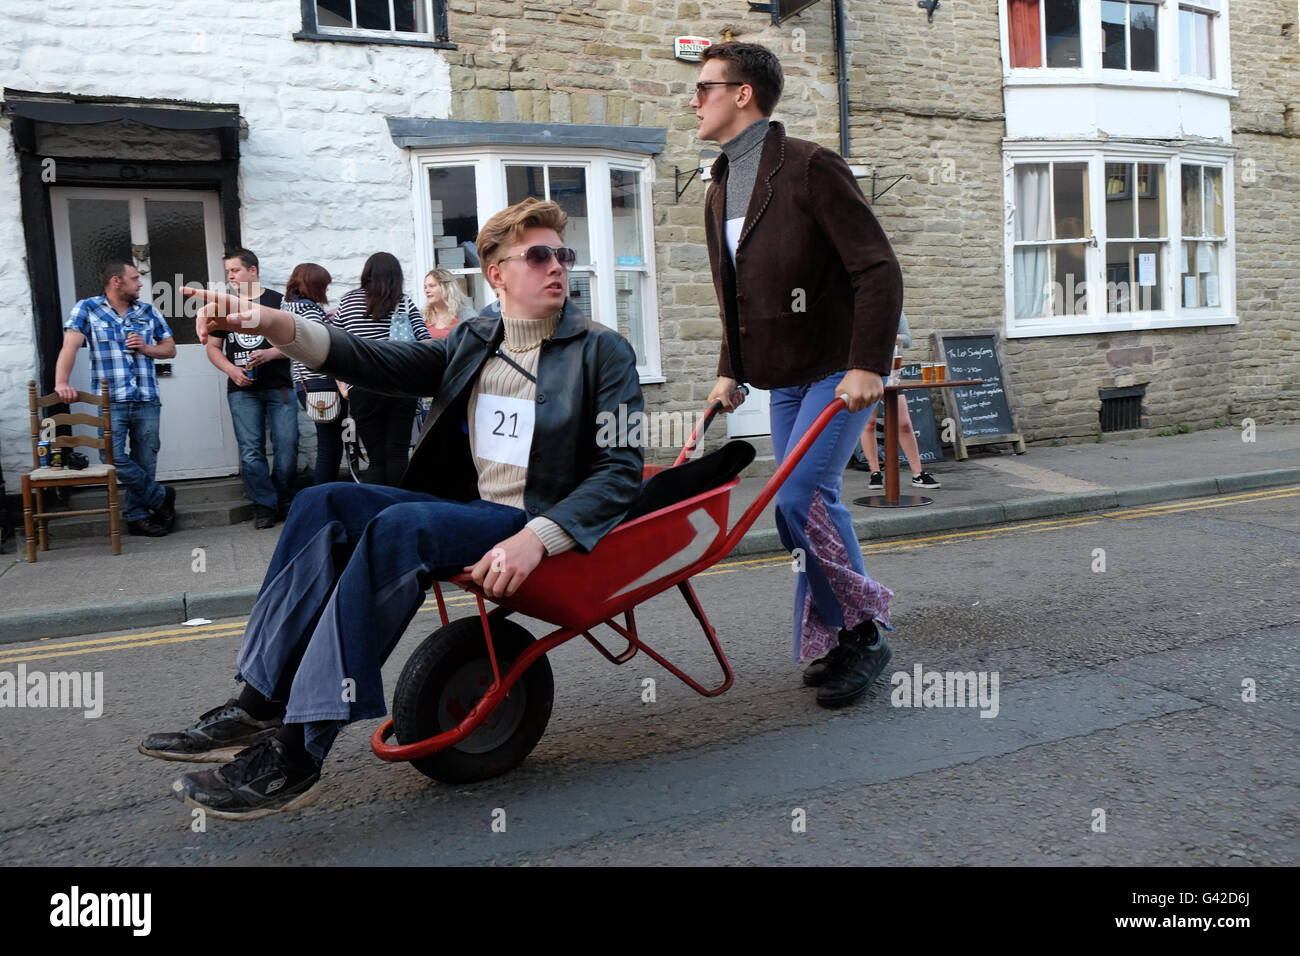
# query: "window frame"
[437,36]
[1097,319]
[1199,7]
[490,163]
[1162,52]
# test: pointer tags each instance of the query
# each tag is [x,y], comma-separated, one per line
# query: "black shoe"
[215,738]
[877,480]
[925,480]
[814,675]
[166,515]
[148,527]
[263,517]
[855,667]
[857,464]
[260,781]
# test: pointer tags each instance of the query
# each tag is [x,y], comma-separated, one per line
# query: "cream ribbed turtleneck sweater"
[503,482]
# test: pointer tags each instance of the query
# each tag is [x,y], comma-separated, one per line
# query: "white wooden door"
[174,239]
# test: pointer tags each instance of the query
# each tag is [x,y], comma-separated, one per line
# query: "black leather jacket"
[584,369]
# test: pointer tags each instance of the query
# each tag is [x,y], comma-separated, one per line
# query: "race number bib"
[503,429]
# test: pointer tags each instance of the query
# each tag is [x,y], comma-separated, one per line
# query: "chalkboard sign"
[984,415]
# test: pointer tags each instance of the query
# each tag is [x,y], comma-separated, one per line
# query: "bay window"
[607,198]
[1117,237]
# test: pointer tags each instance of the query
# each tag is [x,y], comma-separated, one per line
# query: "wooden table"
[891,497]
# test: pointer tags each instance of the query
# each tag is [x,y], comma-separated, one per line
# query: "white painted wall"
[320,178]
[1096,112]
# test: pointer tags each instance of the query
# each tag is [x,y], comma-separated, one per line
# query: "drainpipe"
[841,68]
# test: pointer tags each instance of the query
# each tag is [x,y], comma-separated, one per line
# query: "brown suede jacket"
[815,288]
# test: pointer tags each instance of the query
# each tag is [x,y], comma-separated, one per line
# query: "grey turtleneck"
[743,154]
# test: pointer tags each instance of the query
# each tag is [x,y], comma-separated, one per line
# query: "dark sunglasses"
[541,255]
[703,87]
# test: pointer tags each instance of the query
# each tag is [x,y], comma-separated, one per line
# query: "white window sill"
[1139,322]
[1111,79]
[651,378]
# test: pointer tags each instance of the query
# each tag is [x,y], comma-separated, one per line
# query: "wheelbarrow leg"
[694,604]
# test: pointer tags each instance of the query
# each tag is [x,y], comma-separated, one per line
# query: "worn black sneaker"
[925,480]
[855,667]
[166,515]
[216,737]
[877,480]
[263,517]
[260,781]
[814,675]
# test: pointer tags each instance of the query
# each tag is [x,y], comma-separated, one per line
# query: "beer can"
[251,372]
[56,457]
[43,454]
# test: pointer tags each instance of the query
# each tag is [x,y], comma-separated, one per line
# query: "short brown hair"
[112,269]
[245,256]
[507,227]
[752,64]
[308,281]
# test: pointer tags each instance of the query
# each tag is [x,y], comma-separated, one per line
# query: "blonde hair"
[507,227]
[452,297]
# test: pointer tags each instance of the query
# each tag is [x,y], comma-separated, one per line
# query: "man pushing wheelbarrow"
[809,292]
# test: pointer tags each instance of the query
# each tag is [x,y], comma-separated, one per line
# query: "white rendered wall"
[1095,111]
[320,179]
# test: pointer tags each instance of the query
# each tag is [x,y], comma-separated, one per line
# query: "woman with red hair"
[305,295]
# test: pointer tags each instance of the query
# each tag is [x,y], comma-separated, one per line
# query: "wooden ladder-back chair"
[34,517]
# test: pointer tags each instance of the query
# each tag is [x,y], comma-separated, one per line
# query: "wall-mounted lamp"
[929,6]
[702,169]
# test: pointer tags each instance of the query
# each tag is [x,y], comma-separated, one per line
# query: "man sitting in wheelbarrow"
[508,470]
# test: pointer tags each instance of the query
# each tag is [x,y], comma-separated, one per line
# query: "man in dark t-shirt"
[261,396]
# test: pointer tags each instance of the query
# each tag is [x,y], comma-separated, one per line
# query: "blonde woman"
[445,304]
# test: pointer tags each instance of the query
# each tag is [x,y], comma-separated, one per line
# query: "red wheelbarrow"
[474,698]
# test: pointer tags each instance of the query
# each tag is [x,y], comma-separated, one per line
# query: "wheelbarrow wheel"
[443,680]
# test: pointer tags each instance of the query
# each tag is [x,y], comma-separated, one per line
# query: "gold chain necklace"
[516,349]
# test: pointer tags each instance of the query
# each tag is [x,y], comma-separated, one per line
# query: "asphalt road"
[1119,690]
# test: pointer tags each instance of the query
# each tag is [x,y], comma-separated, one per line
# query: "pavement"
[78,587]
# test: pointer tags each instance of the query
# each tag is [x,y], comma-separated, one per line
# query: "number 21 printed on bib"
[503,429]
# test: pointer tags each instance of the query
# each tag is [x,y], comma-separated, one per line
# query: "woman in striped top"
[305,295]
[380,310]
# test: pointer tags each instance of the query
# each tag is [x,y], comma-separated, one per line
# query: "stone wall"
[1265,352]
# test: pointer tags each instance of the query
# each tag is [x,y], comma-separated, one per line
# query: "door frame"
[190,383]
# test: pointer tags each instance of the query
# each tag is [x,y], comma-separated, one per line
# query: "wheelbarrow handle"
[693,442]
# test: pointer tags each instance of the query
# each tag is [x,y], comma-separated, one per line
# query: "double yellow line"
[178,635]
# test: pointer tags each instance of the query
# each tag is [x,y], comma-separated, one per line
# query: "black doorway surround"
[29,112]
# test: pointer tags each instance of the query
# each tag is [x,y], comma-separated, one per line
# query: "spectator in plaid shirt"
[125,336]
